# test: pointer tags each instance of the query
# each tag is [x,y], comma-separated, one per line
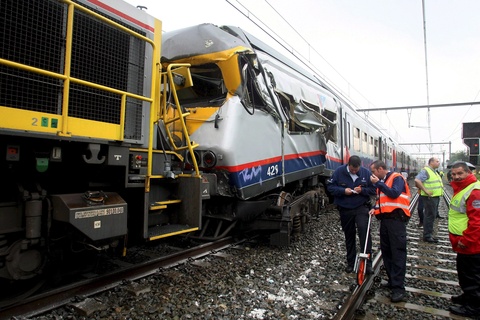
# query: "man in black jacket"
[351,188]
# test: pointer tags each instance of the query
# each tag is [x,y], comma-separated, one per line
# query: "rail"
[56,298]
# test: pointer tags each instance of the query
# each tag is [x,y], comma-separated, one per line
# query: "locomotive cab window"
[251,93]
[208,87]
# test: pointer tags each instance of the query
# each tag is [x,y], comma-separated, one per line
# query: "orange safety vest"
[386,204]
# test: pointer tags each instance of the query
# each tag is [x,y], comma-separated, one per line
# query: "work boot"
[465,311]
[385,284]
[349,269]
[460,299]
[398,296]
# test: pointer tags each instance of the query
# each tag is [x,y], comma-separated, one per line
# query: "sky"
[373,51]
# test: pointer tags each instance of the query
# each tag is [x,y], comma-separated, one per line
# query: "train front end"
[261,127]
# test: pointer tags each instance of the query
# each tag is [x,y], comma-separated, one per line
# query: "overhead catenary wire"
[274,36]
[298,55]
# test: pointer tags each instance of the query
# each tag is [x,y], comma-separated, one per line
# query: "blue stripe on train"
[258,174]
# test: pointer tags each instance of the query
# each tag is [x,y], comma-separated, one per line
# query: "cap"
[471,166]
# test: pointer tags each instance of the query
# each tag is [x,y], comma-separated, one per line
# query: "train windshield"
[209,89]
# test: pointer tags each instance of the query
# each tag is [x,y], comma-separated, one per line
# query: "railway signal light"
[473,145]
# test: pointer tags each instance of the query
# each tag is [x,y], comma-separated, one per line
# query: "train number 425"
[272,170]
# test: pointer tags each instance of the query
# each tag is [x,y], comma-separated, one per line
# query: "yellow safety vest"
[457,214]
[433,183]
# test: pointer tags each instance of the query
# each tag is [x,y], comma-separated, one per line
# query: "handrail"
[181,117]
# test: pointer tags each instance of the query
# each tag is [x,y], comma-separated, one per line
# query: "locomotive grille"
[35,44]
[33,33]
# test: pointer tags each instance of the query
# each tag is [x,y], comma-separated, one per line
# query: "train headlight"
[209,159]
[196,155]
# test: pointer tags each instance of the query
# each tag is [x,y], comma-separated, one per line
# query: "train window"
[375,153]
[307,117]
[332,134]
[208,87]
[287,107]
[365,143]
[251,95]
[356,139]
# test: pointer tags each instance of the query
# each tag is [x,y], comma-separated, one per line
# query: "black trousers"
[468,269]
[420,209]
[393,243]
[430,212]
[353,221]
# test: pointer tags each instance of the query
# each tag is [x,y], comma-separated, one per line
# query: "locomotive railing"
[165,116]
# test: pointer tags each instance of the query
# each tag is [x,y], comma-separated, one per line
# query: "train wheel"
[361,272]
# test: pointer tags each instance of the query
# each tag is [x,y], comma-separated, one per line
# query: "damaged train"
[268,130]
[112,132]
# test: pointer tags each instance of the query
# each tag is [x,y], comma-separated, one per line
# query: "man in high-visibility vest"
[431,190]
[392,209]
[464,230]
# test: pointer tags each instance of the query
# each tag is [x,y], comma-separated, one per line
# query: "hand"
[374,179]
[349,191]
[358,189]
[371,212]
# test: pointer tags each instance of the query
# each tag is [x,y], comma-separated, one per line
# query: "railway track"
[78,293]
[431,281]
[431,277]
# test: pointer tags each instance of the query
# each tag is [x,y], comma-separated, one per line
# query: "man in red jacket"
[464,230]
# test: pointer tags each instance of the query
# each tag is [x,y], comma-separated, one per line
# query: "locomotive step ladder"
[180,211]
[163,204]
